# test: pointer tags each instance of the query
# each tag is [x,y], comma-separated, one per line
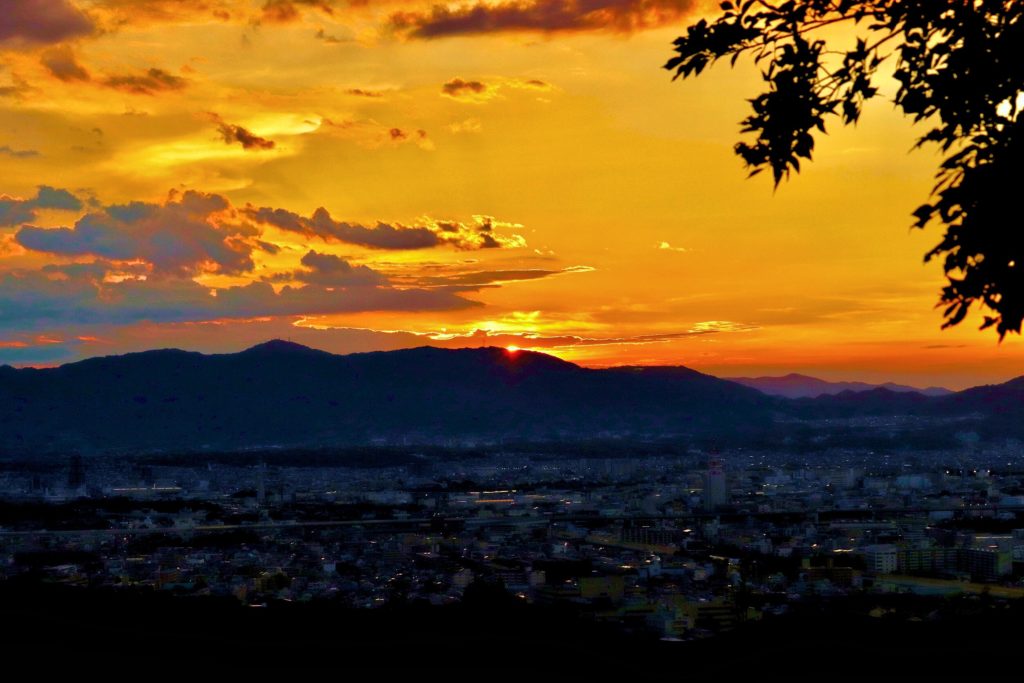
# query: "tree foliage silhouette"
[960,69]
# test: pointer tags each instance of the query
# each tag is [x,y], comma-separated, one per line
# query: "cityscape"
[678,546]
[485,335]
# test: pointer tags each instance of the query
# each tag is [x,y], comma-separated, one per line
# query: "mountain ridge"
[281,394]
[795,385]
[286,393]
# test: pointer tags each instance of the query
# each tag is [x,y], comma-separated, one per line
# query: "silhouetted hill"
[993,412]
[878,401]
[802,386]
[285,394]
[280,393]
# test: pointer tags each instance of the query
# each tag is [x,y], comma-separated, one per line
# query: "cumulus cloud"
[183,236]
[42,21]
[148,82]
[15,211]
[478,235]
[55,198]
[542,16]
[151,261]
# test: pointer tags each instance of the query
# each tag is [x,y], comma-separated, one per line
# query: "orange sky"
[509,174]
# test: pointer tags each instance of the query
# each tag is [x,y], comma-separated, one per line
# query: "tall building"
[76,473]
[715,491]
[881,559]
[261,484]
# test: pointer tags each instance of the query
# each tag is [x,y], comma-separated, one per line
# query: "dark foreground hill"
[93,627]
[280,393]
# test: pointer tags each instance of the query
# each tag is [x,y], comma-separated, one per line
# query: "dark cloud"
[332,39]
[359,92]
[180,237]
[54,198]
[460,88]
[150,82]
[329,270]
[14,211]
[543,16]
[18,87]
[62,63]
[533,340]
[386,235]
[243,136]
[95,270]
[31,300]
[33,354]
[285,11]
[478,91]
[6,150]
[320,224]
[372,134]
[137,262]
[279,11]
[494,277]
[42,21]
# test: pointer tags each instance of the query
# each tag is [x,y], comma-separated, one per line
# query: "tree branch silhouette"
[960,68]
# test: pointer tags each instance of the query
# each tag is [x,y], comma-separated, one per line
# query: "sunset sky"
[380,174]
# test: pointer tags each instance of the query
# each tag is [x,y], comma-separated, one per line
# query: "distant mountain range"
[802,386]
[281,394]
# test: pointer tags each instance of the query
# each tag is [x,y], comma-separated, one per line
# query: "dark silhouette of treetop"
[960,69]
